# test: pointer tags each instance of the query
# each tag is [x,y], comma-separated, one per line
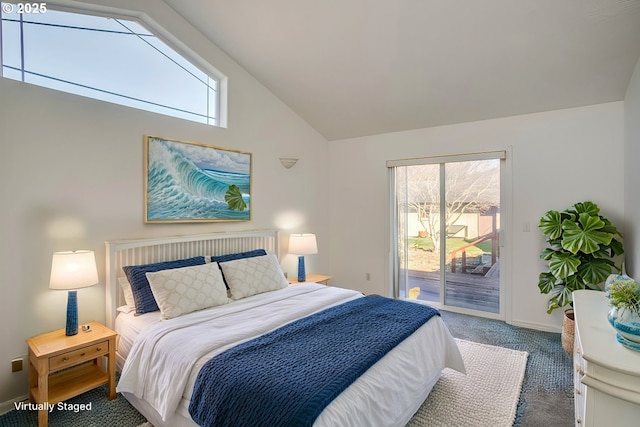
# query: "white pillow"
[180,291]
[128,295]
[125,309]
[251,276]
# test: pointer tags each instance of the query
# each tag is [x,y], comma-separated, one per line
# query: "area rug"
[487,396]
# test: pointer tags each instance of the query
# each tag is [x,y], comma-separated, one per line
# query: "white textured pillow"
[251,276]
[128,295]
[180,291]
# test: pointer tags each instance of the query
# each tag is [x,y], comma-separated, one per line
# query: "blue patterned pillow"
[233,257]
[142,295]
[239,255]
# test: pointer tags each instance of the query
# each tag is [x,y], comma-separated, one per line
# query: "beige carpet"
[486,397]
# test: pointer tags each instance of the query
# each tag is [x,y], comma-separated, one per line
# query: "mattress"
[159,382]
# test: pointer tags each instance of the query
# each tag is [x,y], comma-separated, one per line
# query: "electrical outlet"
[368,276]
[16,365]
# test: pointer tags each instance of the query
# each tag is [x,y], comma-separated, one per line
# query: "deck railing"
[452,255]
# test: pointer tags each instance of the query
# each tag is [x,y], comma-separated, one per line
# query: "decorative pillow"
[182,290]
[142,295]
[232,257]
[239,255]
[251,276]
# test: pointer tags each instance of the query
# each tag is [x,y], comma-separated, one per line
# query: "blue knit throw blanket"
[288,376]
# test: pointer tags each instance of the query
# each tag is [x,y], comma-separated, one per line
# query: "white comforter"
[163,363]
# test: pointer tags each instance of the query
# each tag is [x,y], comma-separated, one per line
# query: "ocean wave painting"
[188,182]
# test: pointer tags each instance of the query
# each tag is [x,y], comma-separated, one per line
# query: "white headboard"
[120,253]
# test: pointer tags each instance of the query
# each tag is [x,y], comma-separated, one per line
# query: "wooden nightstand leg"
[98,362]
[43,397]
[43,418]
[33,381]
[112,369]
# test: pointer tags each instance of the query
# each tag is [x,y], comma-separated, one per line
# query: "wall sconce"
[288,162]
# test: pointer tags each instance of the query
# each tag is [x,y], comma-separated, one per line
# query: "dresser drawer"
[80,355]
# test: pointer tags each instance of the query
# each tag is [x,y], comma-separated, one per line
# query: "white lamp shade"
[303,244]
[73,270]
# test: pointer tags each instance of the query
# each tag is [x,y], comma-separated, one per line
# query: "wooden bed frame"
[120,253]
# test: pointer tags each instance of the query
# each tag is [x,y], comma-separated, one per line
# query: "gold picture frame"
[193,182]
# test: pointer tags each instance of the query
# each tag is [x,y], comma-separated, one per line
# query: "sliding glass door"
[446,230]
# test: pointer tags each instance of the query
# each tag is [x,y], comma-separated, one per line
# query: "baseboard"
[9,405]
[536,326]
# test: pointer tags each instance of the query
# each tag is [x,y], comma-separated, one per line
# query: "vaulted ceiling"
[361,67]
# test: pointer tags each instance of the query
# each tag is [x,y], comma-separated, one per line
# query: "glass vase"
[627,324]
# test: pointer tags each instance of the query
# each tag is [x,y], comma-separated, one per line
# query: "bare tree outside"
[471,187]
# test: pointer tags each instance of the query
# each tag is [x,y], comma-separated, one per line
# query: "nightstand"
[61,366]
[317,278]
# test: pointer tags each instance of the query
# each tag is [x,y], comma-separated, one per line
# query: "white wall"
[558,158]
[71,177]
[632,174]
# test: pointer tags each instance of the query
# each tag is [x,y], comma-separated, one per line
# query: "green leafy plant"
[233,197]
[624,294]
[581,247]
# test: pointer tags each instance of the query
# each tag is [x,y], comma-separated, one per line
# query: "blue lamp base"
[302,275]
[72,313]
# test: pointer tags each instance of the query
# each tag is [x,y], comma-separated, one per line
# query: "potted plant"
[624,297]
[581,247]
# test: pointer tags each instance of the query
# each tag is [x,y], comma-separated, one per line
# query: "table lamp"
[70,271]
[301,245]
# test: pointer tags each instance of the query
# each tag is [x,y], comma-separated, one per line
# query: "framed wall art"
[192,182]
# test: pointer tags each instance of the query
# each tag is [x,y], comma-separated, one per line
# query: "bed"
[161,352]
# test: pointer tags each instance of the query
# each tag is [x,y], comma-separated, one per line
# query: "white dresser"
[606,374]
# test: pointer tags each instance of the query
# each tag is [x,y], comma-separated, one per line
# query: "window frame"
[393,272]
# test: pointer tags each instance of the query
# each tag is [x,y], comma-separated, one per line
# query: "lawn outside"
[423,257]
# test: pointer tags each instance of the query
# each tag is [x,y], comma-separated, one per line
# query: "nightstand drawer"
[77,356]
